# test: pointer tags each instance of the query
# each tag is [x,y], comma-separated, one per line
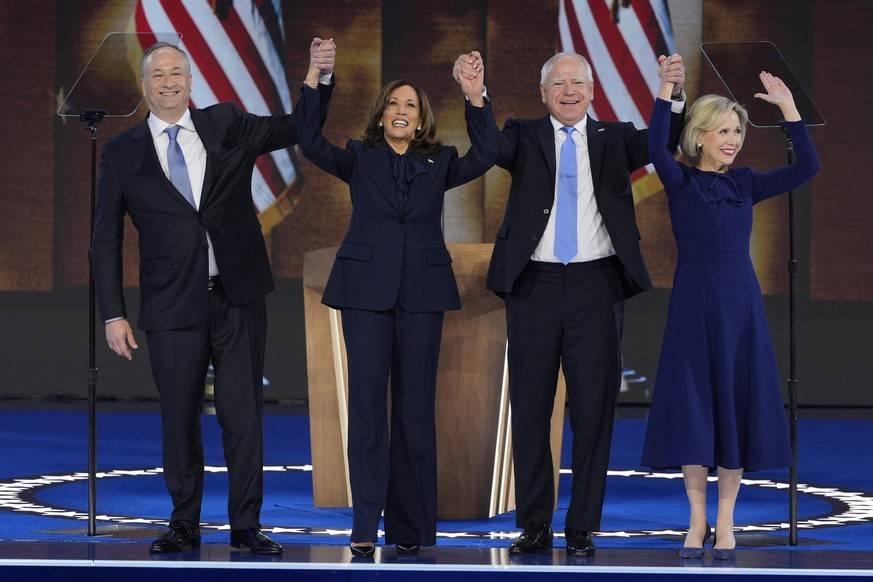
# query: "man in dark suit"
[566,254]
[184,177]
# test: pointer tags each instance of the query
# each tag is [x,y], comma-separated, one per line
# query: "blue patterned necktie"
[177,166]
[565,217]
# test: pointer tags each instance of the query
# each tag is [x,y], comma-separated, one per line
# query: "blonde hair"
[705,115]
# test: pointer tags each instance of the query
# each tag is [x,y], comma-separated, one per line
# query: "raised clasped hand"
[469,72]
[671,69]
[322,55]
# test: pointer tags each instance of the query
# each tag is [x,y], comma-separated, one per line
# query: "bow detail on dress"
[718,197]
[405,168]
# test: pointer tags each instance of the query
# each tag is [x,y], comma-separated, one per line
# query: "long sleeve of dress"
[659,134]
[806,165]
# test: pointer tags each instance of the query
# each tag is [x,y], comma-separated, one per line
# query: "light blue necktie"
[177,166]
[565,218]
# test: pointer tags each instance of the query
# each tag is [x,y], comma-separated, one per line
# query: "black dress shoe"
[181,536]
[534,538]
[255,540]
[579,543]
[362,551]
[408,549]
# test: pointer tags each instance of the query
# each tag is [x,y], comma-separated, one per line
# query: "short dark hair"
[424,142]
[158,46]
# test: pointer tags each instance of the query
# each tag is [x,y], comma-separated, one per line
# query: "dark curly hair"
[424,142]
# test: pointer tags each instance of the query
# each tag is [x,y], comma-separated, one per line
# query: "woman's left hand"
[469,72]
[778,94]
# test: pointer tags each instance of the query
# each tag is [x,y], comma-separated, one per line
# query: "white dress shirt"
[592,240]
[195,159]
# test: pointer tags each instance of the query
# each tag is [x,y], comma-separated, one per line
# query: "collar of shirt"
[157,126]
[580,126]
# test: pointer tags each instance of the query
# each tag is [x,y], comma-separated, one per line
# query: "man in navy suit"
[184,178]
[566,254]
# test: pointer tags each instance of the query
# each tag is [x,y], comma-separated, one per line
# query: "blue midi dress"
[717,399]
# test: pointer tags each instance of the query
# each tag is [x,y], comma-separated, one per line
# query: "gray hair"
[705,115]
[156,47]
[550,64]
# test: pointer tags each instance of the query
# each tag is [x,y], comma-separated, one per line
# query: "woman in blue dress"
[717,401]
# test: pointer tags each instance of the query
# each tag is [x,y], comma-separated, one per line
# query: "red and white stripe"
[236,59]
[623,55]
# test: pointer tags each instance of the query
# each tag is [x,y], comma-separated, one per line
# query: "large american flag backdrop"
[622,40]
[236,49]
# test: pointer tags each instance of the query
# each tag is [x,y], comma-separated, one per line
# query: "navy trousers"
[234,338]
[563,315]
[397,471]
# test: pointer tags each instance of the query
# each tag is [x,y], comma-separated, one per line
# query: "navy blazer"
[172,234]
[526,147]
[390,253]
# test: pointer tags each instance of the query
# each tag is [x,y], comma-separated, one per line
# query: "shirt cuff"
[108,321]
[484,94]
[678,106]
[325,79]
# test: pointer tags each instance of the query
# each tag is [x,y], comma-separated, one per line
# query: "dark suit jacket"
[394,252]
[172,235]
[526,147]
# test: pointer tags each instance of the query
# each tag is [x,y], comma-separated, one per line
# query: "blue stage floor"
[43,504]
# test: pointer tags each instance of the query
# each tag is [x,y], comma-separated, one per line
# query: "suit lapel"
[145,148]
[211,142]
[421,185]
[546,137]
[379,166]
[595,135]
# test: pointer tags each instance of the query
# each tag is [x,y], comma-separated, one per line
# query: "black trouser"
[399,473]
[563,315]
[233,338]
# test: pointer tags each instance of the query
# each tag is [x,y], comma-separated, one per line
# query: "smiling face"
[568,90]
[401,117]
[166,84]
[721,145]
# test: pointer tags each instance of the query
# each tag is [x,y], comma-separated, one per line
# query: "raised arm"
[269,133]
[480,124]
[310,116]
[806,164]
[659,133]
[672,70]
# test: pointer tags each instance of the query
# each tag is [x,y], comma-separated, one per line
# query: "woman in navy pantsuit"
[393,281]
[717,400]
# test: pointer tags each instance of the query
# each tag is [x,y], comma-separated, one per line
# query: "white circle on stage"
[20,495]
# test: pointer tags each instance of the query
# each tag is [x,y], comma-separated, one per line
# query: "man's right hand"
[120,338]
[322,55]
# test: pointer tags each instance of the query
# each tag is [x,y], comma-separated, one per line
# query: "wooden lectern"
[474,464]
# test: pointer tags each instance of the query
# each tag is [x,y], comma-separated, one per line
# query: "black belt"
[583,267]
[214,281]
